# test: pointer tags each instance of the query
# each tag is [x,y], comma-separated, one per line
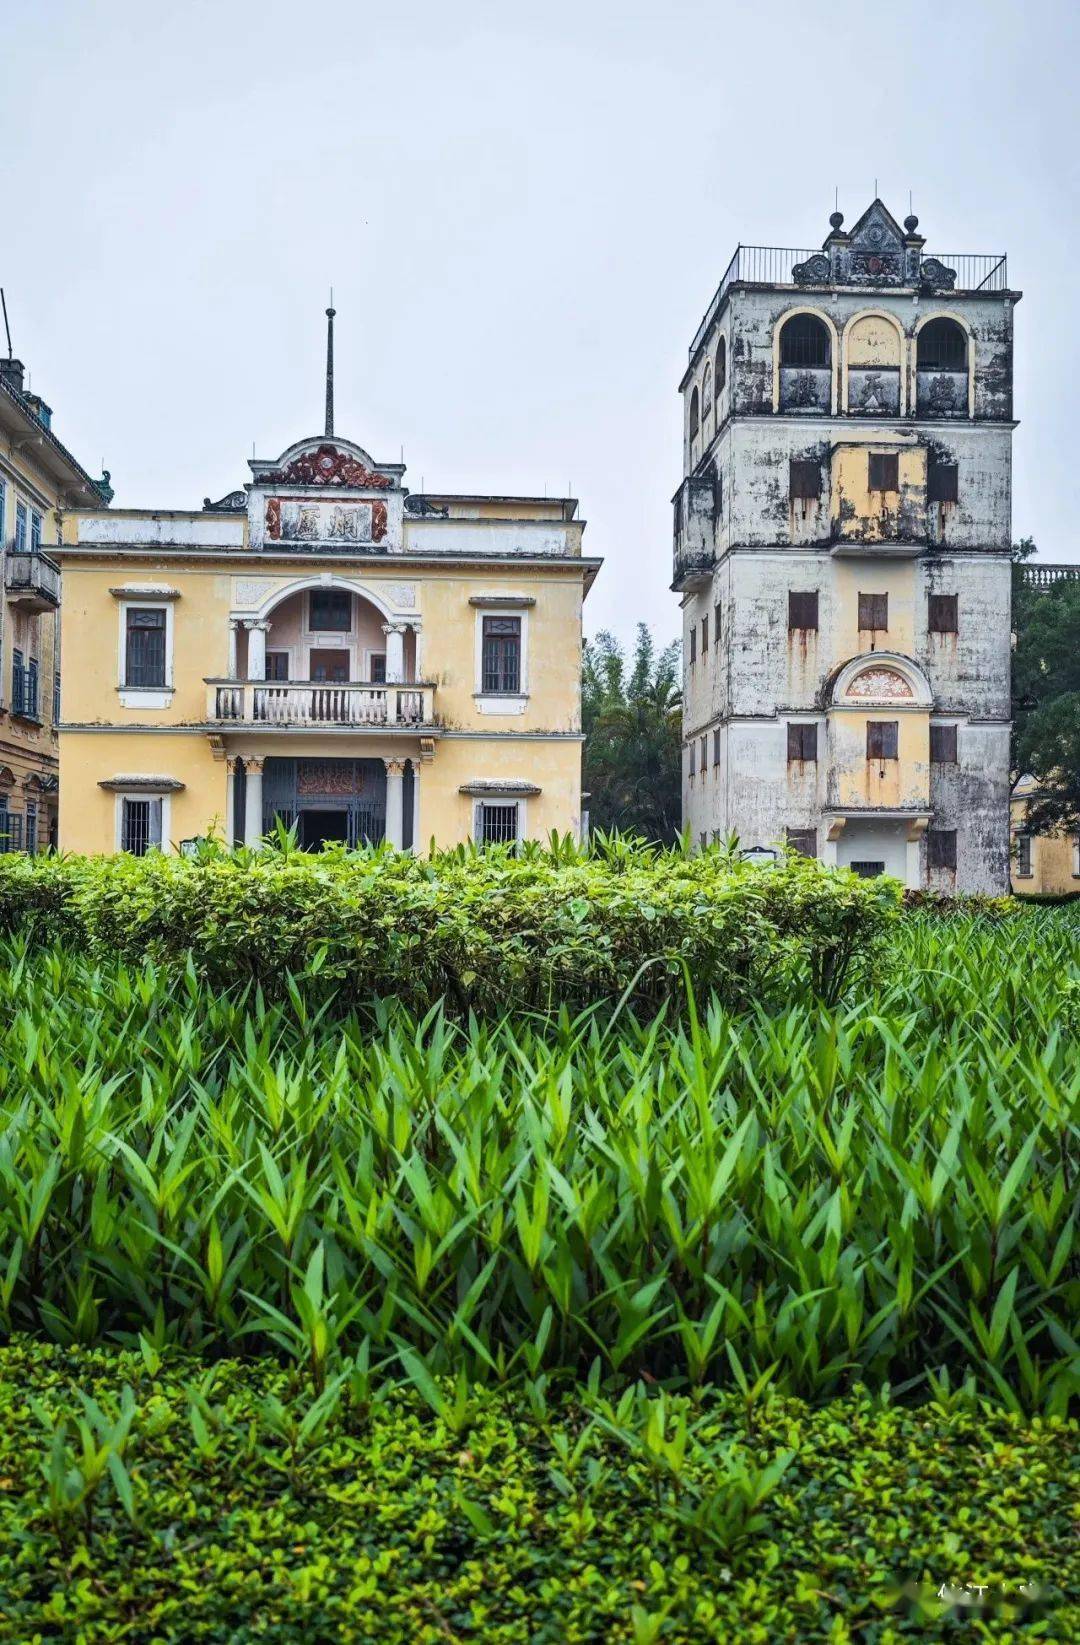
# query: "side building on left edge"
[39,482]
[326,649]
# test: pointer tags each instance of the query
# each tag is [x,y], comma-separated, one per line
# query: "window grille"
[868,870]
[942,613]
[498,824]
[874,612]
[693,645]
[18,683]
[802,742]
[882,737]
[35,533]
[694,415]
[884,471]
[10,831]
[693,759]
[941,847]
[31,709]
[716,747]
[56,698]
[704,634]
[804,341]
[31,829]
[501,654]
[145,661]
[704,754]
[721,366]
[802,609]
[942,347]
[943,744]
[803,840]
[20,528]
[1023,855]
[140,826]
[716,623]
[330,610]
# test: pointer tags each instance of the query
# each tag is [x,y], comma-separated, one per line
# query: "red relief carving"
[327,467]
[378,522]
[273,518]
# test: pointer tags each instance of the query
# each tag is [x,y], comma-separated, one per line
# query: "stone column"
[231,764]
[253,804]
[257,650]
[234,629]
[395,770]
[416,807]
[395,652]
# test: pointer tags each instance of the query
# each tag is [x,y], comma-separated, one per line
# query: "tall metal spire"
[331,311]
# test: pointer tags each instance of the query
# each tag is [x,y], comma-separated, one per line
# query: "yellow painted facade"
[39,481]
[1042,865]
[421,683]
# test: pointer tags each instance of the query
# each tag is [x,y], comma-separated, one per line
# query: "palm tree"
[632,720]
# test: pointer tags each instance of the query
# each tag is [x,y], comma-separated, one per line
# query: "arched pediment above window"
[881,678]
[327,460]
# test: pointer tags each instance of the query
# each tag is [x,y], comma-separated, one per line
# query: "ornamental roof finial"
[331,311]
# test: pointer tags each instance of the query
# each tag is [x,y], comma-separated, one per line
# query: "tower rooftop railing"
[774,265]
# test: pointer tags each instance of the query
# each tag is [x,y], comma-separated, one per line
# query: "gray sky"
[523,214]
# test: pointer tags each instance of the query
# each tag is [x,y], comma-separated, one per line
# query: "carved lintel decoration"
[887,683]
[327,466]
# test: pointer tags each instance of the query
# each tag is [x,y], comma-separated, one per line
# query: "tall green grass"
[883,1192]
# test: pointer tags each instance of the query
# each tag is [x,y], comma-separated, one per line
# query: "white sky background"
[523,215]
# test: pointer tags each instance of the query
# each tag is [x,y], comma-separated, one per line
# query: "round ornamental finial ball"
[911,224]
[836,219]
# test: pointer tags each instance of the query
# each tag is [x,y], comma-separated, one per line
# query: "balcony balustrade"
[32,580]
[320,703]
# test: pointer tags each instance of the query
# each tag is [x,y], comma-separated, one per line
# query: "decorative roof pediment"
[877,230]
[326,460]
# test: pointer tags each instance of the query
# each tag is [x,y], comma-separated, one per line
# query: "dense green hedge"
[489,930]
[233,1507]
[884,1190]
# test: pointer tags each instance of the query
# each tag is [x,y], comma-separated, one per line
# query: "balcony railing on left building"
[299,703]
[31,579]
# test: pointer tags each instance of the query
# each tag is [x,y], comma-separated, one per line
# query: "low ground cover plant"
[484,930]
[883,1191]
[229,1502]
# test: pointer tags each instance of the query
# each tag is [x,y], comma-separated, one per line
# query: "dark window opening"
[693,761]
[802,609]
[882,737]
[695,420]
[942,613]
[873,613]
[943,745]
[803,841]
[804,341]
[704,634]
[721,366]
[140,826]
[716,623]
[378,668]
[941,847]
[704,754]
[330,611]
[1023,856]
[942,347]
[801,742]
[868,870]
[277,665]
[706,392]
[804,480]
[501,655]
[10,831]
[942,483]
[145,662]
[884,471]
[716,748]
[693,644]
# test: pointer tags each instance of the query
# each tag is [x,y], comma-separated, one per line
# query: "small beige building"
[1043,865]
[326,648]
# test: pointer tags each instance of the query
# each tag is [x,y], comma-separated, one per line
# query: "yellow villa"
[1042,865]
[328,648]
[39,481]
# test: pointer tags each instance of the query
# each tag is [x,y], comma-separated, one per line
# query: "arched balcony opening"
[806,363]
[943,369]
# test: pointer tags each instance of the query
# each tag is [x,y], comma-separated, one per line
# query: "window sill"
[497,702]
[25,717]
[146,696]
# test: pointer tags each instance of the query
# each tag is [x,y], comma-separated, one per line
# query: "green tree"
[1046,694]
[632,720]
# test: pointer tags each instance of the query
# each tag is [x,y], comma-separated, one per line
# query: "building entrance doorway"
[323,827]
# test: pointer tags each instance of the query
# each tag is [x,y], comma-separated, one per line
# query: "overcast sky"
[523,215]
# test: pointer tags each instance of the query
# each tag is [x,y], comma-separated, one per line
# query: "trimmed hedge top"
[488,930]
[240,1509]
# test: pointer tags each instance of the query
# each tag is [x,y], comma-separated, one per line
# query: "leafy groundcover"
[233,1506]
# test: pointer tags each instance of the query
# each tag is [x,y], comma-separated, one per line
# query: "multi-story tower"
[842,539]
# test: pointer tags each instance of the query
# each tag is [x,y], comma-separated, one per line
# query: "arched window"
[804,341]
[706,393]
[695,420]
[942,346]
[721,366]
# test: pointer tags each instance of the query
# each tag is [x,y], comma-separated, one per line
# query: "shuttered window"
[873,613]
[804,479]
[502,654]
[802,742]
[943,483]
[144,663]
[802,608]
[882,738]
[941,847]
[803,840]
[884,471]
[943,744]
[942,613]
